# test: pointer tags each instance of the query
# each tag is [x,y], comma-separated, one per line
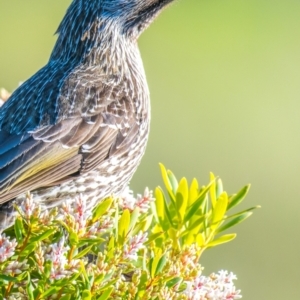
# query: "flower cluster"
[57,256]
[128,201]
[218,286]
[121,249]
[30,208]
[135,244]
[15,267]
[7,247]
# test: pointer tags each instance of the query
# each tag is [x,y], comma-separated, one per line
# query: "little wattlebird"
[80,124]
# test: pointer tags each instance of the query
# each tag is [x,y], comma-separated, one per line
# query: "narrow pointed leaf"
[19,229]
[83,252]
[123,226]
[219,210]
[221,240]
[167,182]
[182,198]
[219,188]
[134,217]
[160,208]
[86,295]
[105,295]
[212,190]
[235,221]
[200,239]
[43,236]
[101,209]
[173,181]
[153,237]
[239,197]
[198,203]
[194,191]
[161,263]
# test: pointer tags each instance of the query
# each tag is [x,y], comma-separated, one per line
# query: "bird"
[80,125]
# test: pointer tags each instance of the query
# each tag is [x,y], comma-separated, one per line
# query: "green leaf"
[8,278]
[167,182]
[153,263]
[73,238]
[234,221]
[90,241]
[212,190]
[221,240]
[194,192]
[182,196]
[86,295]
[101,209]
[18,226]
[239,197]
[173,282]
[83,252]
[173,181]
[200,239]
[43,235]
[123,226]
[134,217]
[29,288]
[198,203]
[219,210]
[196,223]
[52,290]
[219,188]
[106,294]
[28,249]
[161,263]
[153,237]
[162,210]
[173,234]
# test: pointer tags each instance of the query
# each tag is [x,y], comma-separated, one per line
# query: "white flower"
[215,287]
[15,267]
[135,244]
[128,201]
[7,247]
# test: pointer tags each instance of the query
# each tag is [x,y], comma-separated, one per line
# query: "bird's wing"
[56,153]
[74,145]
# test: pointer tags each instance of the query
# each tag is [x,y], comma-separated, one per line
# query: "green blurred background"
[224,77]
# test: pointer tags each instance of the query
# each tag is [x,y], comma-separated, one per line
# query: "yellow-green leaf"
[167,182]
[238,219]
[162,209]
[219,187]
[86,295]
[200,240]
[194,191]
[134,217]
[101,209]
[105,295]
[153,264]
[123,226]
[182,195]
[161,263]
[212,190]
[221,240]
[173,181]
[239,197]
[219,210]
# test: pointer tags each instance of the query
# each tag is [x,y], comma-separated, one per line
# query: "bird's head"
[133,16]
[89,23]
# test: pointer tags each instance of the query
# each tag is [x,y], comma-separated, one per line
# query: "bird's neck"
[85,35]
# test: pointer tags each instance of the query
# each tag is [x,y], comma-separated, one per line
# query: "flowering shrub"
[126,248]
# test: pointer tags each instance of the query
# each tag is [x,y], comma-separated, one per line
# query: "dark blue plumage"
[81,123]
